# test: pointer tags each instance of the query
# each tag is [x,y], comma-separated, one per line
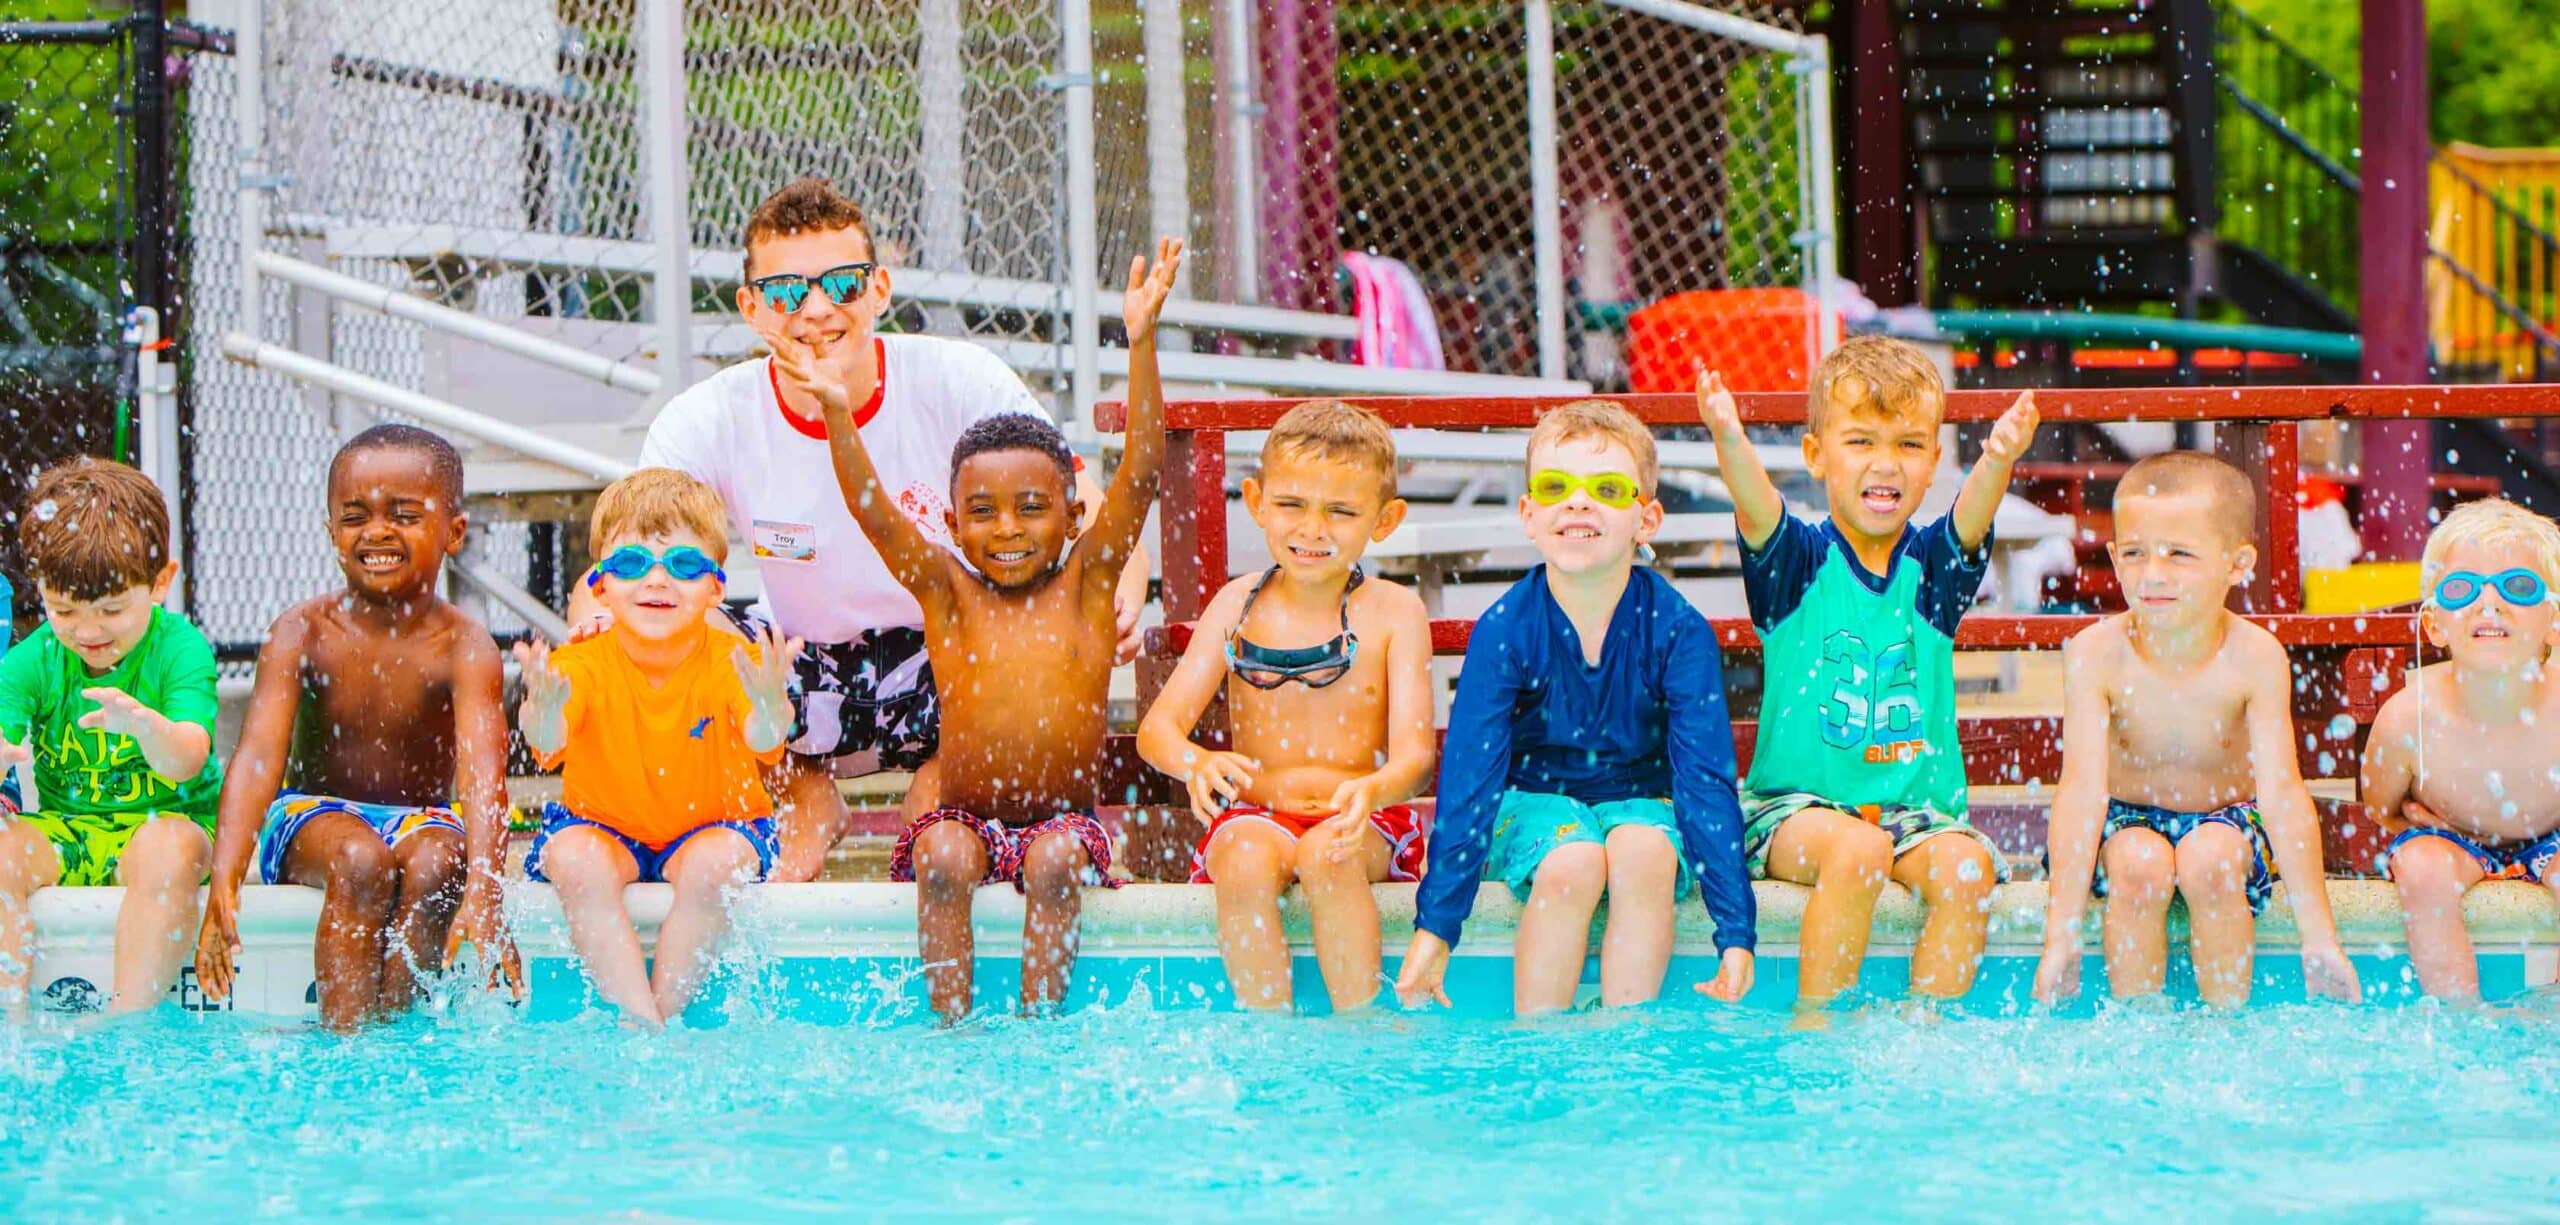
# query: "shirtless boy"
[1330,706]
[2462,762]
[2178,768]
[1021,632]
[380,703]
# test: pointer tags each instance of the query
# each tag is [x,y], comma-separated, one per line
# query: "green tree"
[2493,72]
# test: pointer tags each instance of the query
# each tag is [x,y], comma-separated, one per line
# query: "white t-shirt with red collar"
[822,579]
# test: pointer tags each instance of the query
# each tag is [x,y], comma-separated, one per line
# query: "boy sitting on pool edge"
[384,707]
[1858,774]
[661,725]
[2463,765]
[1591,691]
[1331,732]
[1022,633]
[2177,736]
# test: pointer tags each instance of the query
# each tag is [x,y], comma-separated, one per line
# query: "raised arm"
[480,791]
[1983,488]
[1107,548]
[920,565]
[2292,823]
[248,788]
[1757,508]
[2077,822]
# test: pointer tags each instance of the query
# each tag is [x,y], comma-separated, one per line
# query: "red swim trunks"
[1396,823]
[1006,845]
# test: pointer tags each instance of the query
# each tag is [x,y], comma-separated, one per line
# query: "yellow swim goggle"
[1615,490]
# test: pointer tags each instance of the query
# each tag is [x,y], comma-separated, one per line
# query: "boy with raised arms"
[2178,769]
[1589,752]
[1327,676]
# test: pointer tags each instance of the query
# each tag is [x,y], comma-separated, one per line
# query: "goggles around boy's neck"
[788,291]
[2519,587]
[631,563]
[1551,487]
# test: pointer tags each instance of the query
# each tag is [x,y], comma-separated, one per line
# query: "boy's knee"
[2212,861]
[362,867]
[1314,863]
[1054,864]
[1960,872]
[2428,866]
[2140,871]
[1576,872]
[1642,857]
[1859,855]
[430,862]
[950,859]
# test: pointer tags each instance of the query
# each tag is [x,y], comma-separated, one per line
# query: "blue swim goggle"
[2520,588]
[631,563]
[787,291]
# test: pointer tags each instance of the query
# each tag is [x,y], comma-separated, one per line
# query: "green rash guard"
[88,771]
[1859,704]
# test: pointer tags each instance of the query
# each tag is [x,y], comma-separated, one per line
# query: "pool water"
[765,1108]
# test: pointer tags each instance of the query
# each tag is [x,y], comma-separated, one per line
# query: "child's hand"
[767,671]
[218,942]
[1148,288]
[2419,814]
[482,924]
[1216,780]
[546,692]
[1716,406]
[1352,803]
[1425,969]
[13,754]
[1733,977]
[797,365]
[2016,429]
[590,627]
[2058,971]
[118,713]
[2328,974]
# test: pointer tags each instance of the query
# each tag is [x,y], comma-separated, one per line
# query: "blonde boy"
[113,700]
[2463,762]
[2178,769]
[1328,685]
[1592,691]
[1857,773]
[661,725]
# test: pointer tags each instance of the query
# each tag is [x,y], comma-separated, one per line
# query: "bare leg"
[155,926]
[2141,877]
[1555,928]
[1344,912]
[1053,918]
[343,857]
[589,870]
[1953,876]
[28,862]
[950,862]
[2433,874]
[2213,875]
[1249,863]
[1845,860]
[811,813]
[1635,948]
[430,866]
[704,871]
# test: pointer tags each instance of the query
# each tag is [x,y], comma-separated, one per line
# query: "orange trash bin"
[1759,338]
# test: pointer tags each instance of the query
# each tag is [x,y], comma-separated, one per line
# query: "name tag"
[787,542]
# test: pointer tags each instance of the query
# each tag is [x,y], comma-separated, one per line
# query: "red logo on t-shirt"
[927,509]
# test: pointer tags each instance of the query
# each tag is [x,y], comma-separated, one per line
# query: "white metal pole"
[249,60]
[385,300]
[1546,205]
[155,428]
[1823,262]
[1168,134]
[942,84]
[1244,114]
[1084,308]
[670,215]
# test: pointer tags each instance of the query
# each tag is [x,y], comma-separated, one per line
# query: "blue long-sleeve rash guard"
[1648,722]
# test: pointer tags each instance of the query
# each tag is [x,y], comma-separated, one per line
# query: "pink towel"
[1397,329]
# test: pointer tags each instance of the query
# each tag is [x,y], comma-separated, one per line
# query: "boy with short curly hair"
[113,699]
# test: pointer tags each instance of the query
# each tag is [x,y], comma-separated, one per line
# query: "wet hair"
[1331,431]
[1602,420]
[659,502]
[93,528]
[2232,499]
[805,205]
[2494,523]
[1014,432]
[1876,376]
[442,459]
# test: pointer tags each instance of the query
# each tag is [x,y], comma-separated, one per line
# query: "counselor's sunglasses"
[2520,588]
[786,291]
[631,563]
[1615,490]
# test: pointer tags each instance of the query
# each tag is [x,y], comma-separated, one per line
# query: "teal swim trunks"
[1530,825]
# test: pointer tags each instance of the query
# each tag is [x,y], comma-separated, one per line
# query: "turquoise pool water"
[1143,1110]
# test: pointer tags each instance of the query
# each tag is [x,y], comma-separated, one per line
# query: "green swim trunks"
[1909,827]
[91,843]
[1530,825]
